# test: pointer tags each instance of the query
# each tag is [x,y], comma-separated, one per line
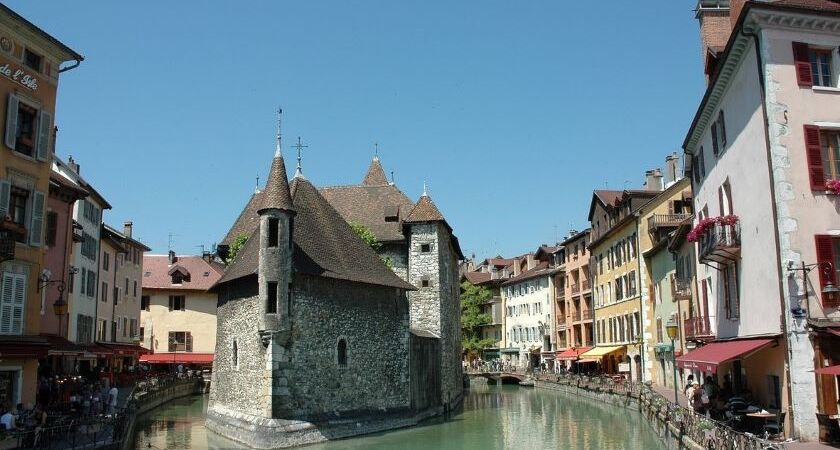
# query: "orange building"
[30,63]
[574,301]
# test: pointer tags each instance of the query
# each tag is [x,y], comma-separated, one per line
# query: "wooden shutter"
[36,225]
[5,193]
[720,201]
[714,138]
[83,281]
[11,303]
[11,121]
[705,306]
[825,260]
[802,64]
[170,302]
[43,144]
[813,152]
[722,129]
[189,342]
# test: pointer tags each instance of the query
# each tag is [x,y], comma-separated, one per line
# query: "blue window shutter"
[11,122]
[5,192]
[36,224]
[44,127]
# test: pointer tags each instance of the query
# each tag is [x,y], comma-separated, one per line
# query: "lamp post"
[672,328]
[830,290]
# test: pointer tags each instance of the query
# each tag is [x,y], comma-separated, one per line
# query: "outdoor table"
[763,416]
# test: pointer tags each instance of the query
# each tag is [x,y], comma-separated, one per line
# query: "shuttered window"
[12,298]
[827,260]
[813,153]
[803,64]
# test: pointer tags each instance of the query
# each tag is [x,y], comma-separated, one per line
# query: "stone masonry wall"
[425,301]
[450,299]
[374,322]
[398,255]
[239,314]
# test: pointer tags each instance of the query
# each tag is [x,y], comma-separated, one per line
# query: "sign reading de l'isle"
[19,76]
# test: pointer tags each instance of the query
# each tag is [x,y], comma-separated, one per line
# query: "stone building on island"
[317,338]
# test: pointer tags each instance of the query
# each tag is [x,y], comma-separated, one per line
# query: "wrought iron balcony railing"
[720,243]
[698,328]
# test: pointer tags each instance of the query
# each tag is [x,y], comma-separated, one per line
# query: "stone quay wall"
[677,427]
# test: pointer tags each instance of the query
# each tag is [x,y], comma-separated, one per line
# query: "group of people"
[21,417]
[699,397]
[79,395]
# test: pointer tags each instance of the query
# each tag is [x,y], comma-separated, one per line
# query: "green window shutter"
[11,121]
[43,144]
[6,303]
[18,304]
[36,224]
[5,192]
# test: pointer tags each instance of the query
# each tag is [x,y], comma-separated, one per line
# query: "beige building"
[178,311]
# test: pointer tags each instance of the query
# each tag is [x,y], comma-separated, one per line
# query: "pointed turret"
[276,194]
[375,175]
[424,211]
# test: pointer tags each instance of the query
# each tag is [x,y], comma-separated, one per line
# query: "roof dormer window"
[179,274]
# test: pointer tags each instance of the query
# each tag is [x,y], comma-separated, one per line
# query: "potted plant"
[832,187]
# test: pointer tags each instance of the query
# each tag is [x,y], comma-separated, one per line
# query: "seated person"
[7,420]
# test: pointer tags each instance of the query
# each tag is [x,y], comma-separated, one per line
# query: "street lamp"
[672,328]
[830,290]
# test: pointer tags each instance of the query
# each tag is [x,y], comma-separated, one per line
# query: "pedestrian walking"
[113,395]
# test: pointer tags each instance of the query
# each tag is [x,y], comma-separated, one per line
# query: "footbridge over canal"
[500,377]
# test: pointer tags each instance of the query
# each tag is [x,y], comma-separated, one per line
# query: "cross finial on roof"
[425,191]
[257,188]
[299,147]
[279,151]
[376,151]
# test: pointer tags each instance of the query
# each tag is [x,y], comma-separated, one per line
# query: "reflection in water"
[494,417]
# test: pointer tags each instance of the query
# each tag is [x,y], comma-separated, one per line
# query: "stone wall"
[425,301]
[398,255]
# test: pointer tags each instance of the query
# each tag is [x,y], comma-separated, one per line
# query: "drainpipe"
[641,300]
[75,64]
[774,208]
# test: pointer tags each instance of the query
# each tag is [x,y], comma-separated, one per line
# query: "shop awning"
[62,347]
[708,357]
[510,350]
[571,354]
[177,358]
[23,347]
[124,349]
[596,353]
[92,351]
[830,370]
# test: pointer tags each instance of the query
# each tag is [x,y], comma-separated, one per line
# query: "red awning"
[23,347]
[830,370]
[96,350]
[572,353]
[177,358]
[124,349]
[834,331]
[62,347]
[708,357]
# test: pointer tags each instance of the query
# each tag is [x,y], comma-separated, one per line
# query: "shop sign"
[19,76]
[623,367]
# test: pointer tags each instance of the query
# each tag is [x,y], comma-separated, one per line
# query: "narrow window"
[820,66]
[425,248]
[272,232]
[32,60]
[831,154]
[144,302]
[271,303]
[25,132]
[342,353]
[52,228]
[235,355]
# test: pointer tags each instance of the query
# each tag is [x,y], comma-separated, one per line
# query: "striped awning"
[597,353]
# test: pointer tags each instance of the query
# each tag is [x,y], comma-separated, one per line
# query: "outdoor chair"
[829,427]
[775,427]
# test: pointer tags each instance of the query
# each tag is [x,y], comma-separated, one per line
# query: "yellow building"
[30,63]
[177,309]
[657,220]
[615,271]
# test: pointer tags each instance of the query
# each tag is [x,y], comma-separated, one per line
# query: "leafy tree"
[235,247]
[366,235]
[472,297]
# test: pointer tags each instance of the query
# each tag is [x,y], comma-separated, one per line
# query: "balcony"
[561,294]
[587,314]
[657,221]
[584,285]
[576,288]
[680,288]
[698,329]
[720,243]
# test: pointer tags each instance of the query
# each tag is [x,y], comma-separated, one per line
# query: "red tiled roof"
[203,275]
[816,5]
[477,277]
[540,270]
[425,211]
[177,358]
[375,175]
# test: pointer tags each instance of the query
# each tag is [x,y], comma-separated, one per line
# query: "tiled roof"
[424,211]
[477,277]
[375,175]
[276,194]
[816,5]
[247,221]
[542,269]
[324,245]
[203,275]
[368,205]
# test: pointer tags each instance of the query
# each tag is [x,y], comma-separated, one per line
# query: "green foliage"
[472,297]
[235,247]
[366,235]
[388,262]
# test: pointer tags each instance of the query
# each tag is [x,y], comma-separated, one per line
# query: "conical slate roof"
[375,175]
[424,211]
[276,194]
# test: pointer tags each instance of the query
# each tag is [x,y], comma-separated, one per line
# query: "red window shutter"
[825,262]
[802,64]
[813,152]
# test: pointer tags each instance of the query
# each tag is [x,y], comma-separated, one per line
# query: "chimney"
[653,180]
[517,268]
[531,261]
[207,256]
[715,27]
[172,257]
[127,228]
[672,169]
[71,163]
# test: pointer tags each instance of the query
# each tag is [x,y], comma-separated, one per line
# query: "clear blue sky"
[513,111]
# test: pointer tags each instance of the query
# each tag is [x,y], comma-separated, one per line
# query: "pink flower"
[833,187]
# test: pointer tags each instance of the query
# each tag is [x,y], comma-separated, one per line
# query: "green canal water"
[494,417]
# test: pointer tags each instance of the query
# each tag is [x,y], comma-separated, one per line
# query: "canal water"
[494,417]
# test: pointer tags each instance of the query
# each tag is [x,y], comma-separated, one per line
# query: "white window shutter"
[36,225]
[11,121]
[6,296]
[19,302]
[5,192]
[43,144]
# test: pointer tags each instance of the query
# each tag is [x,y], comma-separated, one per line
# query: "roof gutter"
[75,64]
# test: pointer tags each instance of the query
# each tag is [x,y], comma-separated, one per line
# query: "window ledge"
[825,89]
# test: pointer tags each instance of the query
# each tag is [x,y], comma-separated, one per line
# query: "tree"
[472,319]
[235,247]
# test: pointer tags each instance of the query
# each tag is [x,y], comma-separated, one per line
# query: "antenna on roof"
[257,188]
[171,241]
[392,178]
[376,151]
[279,151]
[425,191]
[201,247]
